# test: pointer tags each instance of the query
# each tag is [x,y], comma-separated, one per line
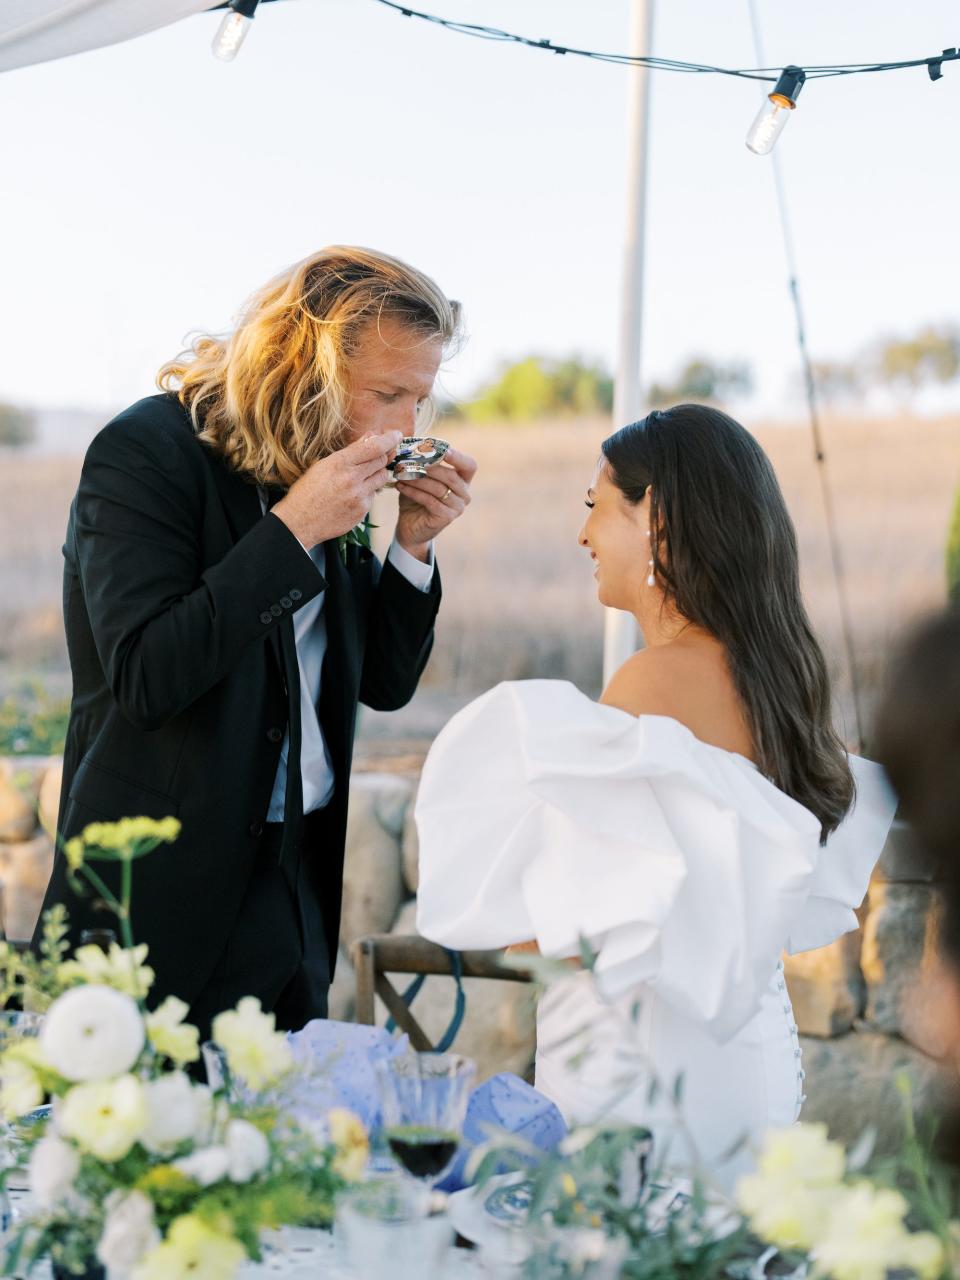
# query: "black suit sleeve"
[166,630]
[399,639]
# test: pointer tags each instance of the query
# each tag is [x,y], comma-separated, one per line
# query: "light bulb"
[231,34]
[773,115]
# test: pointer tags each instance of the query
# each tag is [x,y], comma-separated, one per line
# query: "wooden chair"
[379,954]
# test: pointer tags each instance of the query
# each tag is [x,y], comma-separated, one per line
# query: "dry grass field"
[519,596]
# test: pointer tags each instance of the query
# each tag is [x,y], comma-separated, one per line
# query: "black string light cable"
[933,64]
[242,12]
[819,452]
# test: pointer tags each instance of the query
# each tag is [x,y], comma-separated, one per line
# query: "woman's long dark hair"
[725,551]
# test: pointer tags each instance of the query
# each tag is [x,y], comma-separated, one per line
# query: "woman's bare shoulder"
[692,685]
[646,683]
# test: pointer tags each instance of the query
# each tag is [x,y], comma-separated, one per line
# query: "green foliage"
[32,722]
[953,555]
[17,426]
[542,388]
[31,980]
[703,380]
[931,355]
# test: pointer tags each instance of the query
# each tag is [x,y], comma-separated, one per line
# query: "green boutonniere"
[359,536]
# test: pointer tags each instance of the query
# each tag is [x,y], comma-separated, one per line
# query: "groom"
[223,622]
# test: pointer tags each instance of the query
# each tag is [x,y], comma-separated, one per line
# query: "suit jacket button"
[266,617]
[274,734]
[256,830]
[287,602]
[296,594]
[276,610]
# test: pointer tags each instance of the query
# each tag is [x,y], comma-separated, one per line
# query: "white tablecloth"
[306,1255]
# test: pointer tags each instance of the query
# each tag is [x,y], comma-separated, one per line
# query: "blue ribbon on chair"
[459,1008]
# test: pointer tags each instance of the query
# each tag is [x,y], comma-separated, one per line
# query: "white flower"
[177,1110]
[129,1231]
[170,1035]
[104,1117]
[256,1052]
[208,1165]
[121,969]
[53,1166]
[247,1150]
[92,1033]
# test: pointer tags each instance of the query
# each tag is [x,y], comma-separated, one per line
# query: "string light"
[233,30]
[772,117]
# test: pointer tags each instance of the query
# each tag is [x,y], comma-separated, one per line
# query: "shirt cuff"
[417,573]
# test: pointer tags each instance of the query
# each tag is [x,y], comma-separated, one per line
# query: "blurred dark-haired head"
[724,554]
[918,741]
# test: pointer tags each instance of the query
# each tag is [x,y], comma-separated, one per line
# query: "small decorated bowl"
[415,454]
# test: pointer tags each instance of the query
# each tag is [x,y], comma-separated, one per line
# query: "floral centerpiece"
[135,1166]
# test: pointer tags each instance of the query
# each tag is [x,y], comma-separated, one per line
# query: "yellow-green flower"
[783,1211]
[73,851]
[865,1238]
[803,1152]
[923,1253]
[122,837]
[348,1135]
[799,1175]
[163,1180]
[256,1051]
[170,1035]
[105,1117]
[119,968]
[21,1088]
[192,1249]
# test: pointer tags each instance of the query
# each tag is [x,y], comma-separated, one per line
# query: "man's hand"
[334,494]
[429,504]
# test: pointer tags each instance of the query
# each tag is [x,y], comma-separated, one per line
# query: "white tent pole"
[620,630]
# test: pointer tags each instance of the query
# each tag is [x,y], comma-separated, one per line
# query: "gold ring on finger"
[446,495]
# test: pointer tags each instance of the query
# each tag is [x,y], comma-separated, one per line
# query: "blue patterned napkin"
[505,1103]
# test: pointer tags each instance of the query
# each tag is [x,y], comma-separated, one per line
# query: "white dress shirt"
[310,633]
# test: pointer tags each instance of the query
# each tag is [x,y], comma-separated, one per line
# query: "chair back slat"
[377,955]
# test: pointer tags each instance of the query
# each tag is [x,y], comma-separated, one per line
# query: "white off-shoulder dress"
[544,815]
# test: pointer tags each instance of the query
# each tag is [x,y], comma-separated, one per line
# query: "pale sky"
[148,188]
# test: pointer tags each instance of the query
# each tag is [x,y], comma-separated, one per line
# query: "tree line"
[538,387]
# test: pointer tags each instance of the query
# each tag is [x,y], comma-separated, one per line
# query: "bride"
[682,833]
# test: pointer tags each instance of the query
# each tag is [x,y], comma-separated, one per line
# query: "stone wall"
[857,1003]
[863,1004]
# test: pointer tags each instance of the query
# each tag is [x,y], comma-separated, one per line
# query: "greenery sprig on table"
[136,1165]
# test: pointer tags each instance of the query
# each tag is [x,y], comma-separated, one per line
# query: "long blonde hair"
[271,397]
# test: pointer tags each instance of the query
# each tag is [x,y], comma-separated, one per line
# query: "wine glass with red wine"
[424,1101]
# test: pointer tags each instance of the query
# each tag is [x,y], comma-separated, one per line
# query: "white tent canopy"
[40,30]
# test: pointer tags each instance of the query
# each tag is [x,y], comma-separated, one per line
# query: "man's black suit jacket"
[176,589]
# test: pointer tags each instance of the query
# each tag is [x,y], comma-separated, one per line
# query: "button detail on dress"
[296,594]
[276,610]
[287,602]
[266,617]
[274,734]
[256,829]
